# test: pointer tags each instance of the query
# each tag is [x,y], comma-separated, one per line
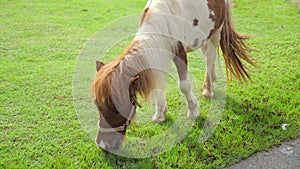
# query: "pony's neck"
[148,57]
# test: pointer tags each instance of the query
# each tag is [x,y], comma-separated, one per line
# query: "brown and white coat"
[168,30]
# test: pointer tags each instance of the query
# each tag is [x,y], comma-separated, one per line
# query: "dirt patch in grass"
[296,2]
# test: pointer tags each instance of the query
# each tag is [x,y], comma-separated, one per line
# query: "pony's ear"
[134,79]
[132,85]
[99,65]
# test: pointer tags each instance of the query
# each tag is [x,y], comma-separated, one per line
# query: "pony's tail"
[234,50]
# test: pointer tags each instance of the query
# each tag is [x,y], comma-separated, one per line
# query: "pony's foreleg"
[159,98]
[180,61]
[210,52]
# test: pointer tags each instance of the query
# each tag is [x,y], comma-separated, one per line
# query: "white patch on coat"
[174,19]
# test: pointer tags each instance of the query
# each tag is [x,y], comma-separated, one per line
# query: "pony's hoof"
[158,119]
[208,95]
[193,115]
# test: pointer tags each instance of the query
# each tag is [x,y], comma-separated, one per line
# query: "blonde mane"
[103,82]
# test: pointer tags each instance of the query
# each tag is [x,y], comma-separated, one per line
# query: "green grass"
[40,45]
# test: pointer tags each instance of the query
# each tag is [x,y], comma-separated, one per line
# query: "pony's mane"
[102,86]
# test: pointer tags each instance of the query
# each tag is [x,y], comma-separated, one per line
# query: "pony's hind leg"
[210,52]
[180,61]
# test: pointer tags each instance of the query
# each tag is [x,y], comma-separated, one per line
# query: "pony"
[168,30]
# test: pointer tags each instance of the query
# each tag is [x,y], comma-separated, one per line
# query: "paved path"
[296,1]
[285,156]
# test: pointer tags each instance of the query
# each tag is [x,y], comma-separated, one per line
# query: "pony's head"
[116,104]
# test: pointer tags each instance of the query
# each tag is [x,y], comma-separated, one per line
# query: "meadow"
[41,41]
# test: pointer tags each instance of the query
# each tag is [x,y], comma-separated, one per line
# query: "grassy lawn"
[39,47]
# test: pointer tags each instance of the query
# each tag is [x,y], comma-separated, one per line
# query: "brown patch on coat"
[181,61]
[145,16]
[196,42]
[195,22]
[217,15]
[181,52]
